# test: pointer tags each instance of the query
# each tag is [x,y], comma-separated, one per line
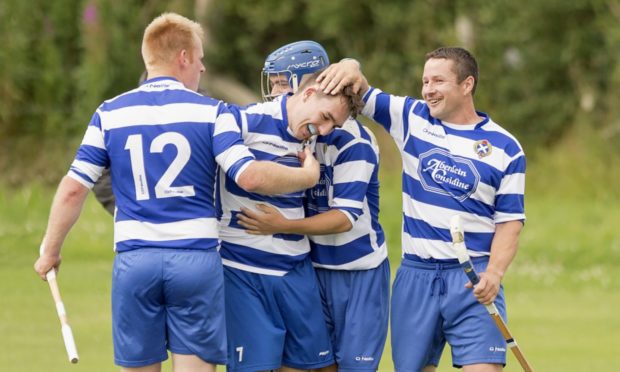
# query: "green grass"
[562,290]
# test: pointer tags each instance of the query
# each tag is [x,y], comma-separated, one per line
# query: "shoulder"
[502,137]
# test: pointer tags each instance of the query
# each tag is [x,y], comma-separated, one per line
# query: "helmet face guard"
[274,84]
[290,63]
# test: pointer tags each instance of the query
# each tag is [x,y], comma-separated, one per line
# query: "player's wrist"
[496,272]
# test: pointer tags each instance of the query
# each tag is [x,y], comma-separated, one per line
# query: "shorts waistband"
[411,260]
[170,250]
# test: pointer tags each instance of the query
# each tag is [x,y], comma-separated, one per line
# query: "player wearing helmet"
[349,251]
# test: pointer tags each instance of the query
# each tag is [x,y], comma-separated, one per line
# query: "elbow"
[250,182]
[347,226]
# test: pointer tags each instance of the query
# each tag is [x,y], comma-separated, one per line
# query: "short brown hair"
[464,62]
[166,35]
[354,101]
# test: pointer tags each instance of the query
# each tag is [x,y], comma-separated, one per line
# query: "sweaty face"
[324,112]
[444,95]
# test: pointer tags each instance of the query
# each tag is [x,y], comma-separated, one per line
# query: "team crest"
[483,148]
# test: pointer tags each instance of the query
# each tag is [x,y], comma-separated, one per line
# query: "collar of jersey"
[172,80]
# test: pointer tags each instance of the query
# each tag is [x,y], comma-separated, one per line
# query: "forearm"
[330,222]
[264,177]
[65,210]
[504,247]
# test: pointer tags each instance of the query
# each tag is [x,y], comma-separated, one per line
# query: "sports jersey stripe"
[436,216]
[273,111]
[510,203]
[226,128]
[347,252]
[414,190]
[350,195]
[167,114]
[512,183]
[476,241]
[234,159]
[264,243]
[517,165]
[93,155]
[197,228]
[176,209]
[259,258]
[257,126]
[363,263]
[505,217]
[354,152]
[92,171]
[81,177]
[352,171]
[93,137]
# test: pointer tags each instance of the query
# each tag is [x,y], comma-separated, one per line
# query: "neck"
[156,72]
[467,115]
[291,101]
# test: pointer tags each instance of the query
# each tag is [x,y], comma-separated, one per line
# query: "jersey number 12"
[162,188]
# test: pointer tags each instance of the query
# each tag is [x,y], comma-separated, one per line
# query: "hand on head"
[339,75]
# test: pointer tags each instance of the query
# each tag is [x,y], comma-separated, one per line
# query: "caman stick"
[67,334]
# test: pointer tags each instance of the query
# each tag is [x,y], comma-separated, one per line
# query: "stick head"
[458,239]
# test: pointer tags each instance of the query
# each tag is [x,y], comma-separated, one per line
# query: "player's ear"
[308,92]
[468,85]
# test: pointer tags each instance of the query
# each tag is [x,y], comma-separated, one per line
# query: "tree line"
[546,67]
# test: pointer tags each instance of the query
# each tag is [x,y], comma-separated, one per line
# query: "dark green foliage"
[546,67]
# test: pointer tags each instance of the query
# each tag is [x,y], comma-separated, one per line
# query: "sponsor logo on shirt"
[497,348]
[443,173]
[268,143]
[434,134]
[318,196]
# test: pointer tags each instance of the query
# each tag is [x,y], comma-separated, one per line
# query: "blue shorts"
[275,321]
[430,305]
[356,306]
[167,299]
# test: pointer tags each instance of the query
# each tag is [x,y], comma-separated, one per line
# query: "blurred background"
[549,73]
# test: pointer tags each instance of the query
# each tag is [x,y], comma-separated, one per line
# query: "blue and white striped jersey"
[475,171]
[349,158]
[264,128]
[163,144]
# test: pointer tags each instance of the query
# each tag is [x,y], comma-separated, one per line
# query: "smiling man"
[456,161]
[164,143]
[273,307]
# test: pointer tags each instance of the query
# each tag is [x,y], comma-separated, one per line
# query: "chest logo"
[483,148]
[443,173]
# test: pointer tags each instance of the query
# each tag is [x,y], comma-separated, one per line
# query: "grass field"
[563,290]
